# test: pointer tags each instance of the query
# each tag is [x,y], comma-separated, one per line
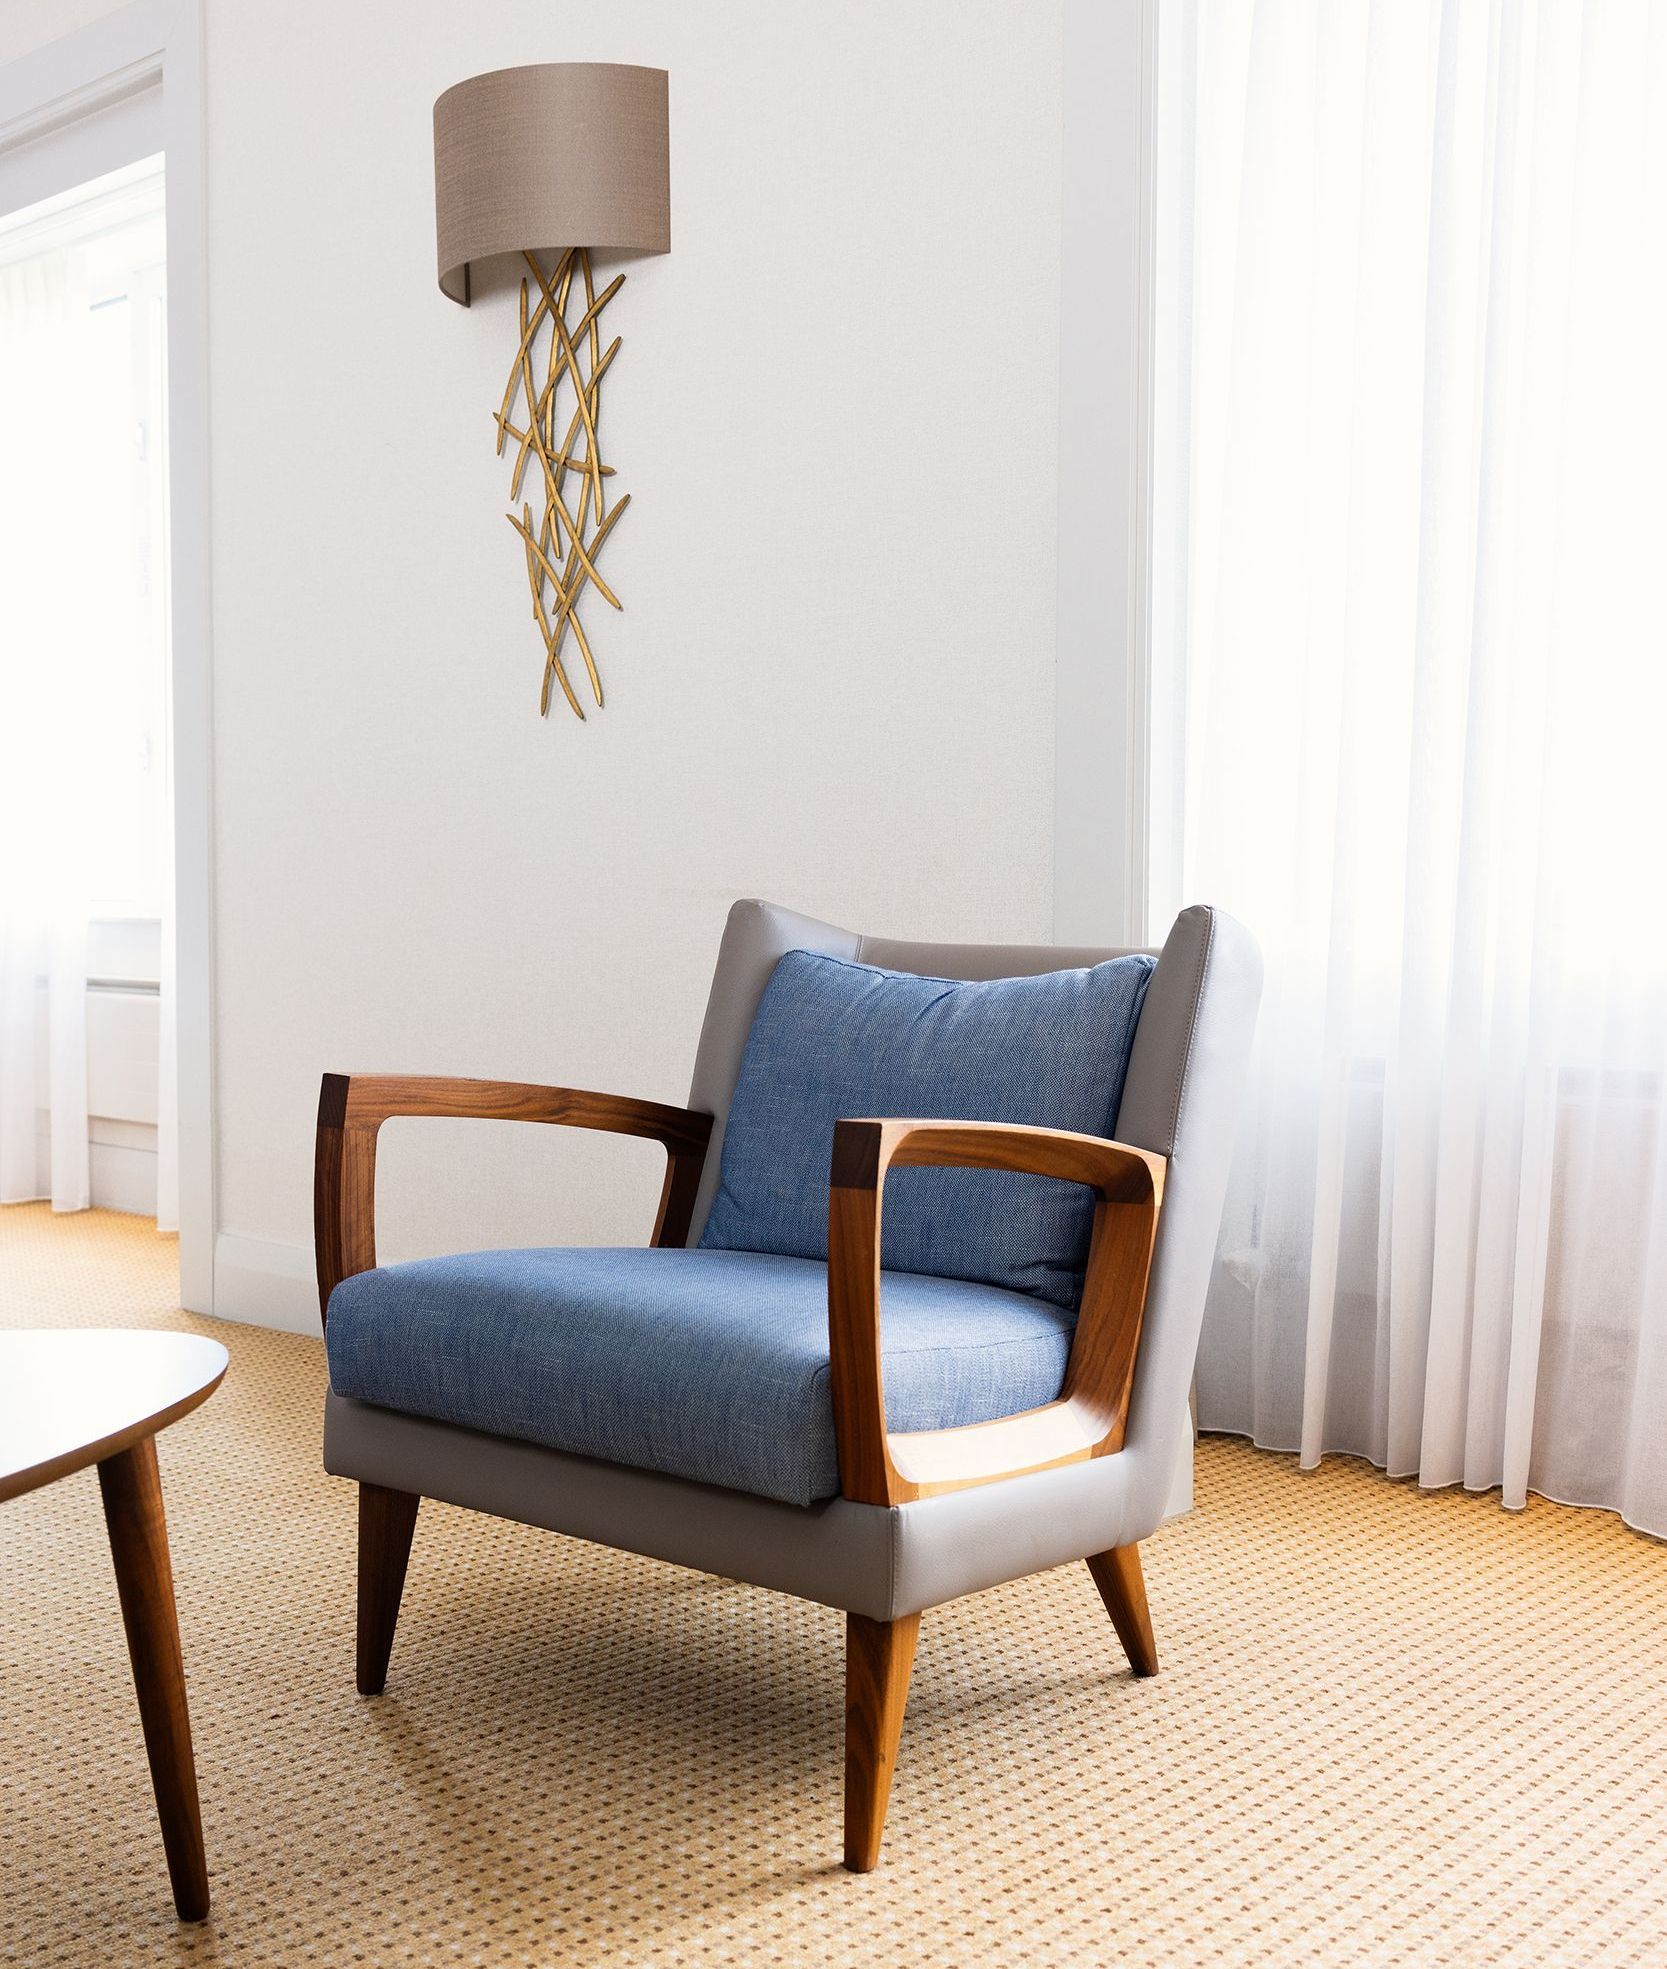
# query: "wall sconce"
[545,163]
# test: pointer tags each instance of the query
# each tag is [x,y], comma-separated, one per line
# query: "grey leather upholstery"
[859,1557]
[1180,1100]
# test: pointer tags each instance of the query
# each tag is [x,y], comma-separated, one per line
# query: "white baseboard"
[264,1283]
[121,1164]
[122,1178]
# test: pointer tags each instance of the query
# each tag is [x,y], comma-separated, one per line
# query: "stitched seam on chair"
[931,977]
[974,1347]
[895,1528]
[860,963]
[1192,1032]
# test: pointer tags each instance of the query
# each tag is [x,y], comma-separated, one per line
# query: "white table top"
[73,1396]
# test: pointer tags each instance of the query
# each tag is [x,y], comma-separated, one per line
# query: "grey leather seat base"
[862,1558]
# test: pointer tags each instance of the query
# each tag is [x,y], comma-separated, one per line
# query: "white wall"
[836,409]
[26,25]
[1101,721]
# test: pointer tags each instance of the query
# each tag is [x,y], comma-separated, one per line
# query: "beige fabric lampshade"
[555,155]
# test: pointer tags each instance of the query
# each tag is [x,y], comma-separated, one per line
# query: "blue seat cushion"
[711,1365]
[833,1040]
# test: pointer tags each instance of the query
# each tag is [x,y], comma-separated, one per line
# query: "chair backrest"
[1180,1099]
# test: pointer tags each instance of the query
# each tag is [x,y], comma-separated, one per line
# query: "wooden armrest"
[352,1107]
[877,1466]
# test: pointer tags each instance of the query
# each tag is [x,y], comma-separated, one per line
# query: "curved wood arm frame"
[351,1108]
[877,1466]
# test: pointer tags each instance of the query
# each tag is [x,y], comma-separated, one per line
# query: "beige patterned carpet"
[1390,1728]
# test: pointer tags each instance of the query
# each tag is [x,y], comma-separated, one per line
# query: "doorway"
[86,824]
[106,1042]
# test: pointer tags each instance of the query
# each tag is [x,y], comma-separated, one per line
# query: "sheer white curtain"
[1410,665]
[49,549]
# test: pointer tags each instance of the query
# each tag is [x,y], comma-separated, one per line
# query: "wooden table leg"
[139,1546]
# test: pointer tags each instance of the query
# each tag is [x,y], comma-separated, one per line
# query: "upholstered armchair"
[918,1314]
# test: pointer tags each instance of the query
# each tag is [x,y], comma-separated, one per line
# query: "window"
[1409,680]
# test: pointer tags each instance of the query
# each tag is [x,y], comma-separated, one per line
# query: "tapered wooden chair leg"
[879,1655]
[132,1491]
[1123,1588]
[387,1519]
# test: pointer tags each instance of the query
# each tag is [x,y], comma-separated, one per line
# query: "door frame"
[146,44]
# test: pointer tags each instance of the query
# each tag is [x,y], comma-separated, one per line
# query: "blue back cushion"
[832,1040]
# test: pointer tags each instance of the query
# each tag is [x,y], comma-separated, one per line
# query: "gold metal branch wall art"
[577,517]
[547,157]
